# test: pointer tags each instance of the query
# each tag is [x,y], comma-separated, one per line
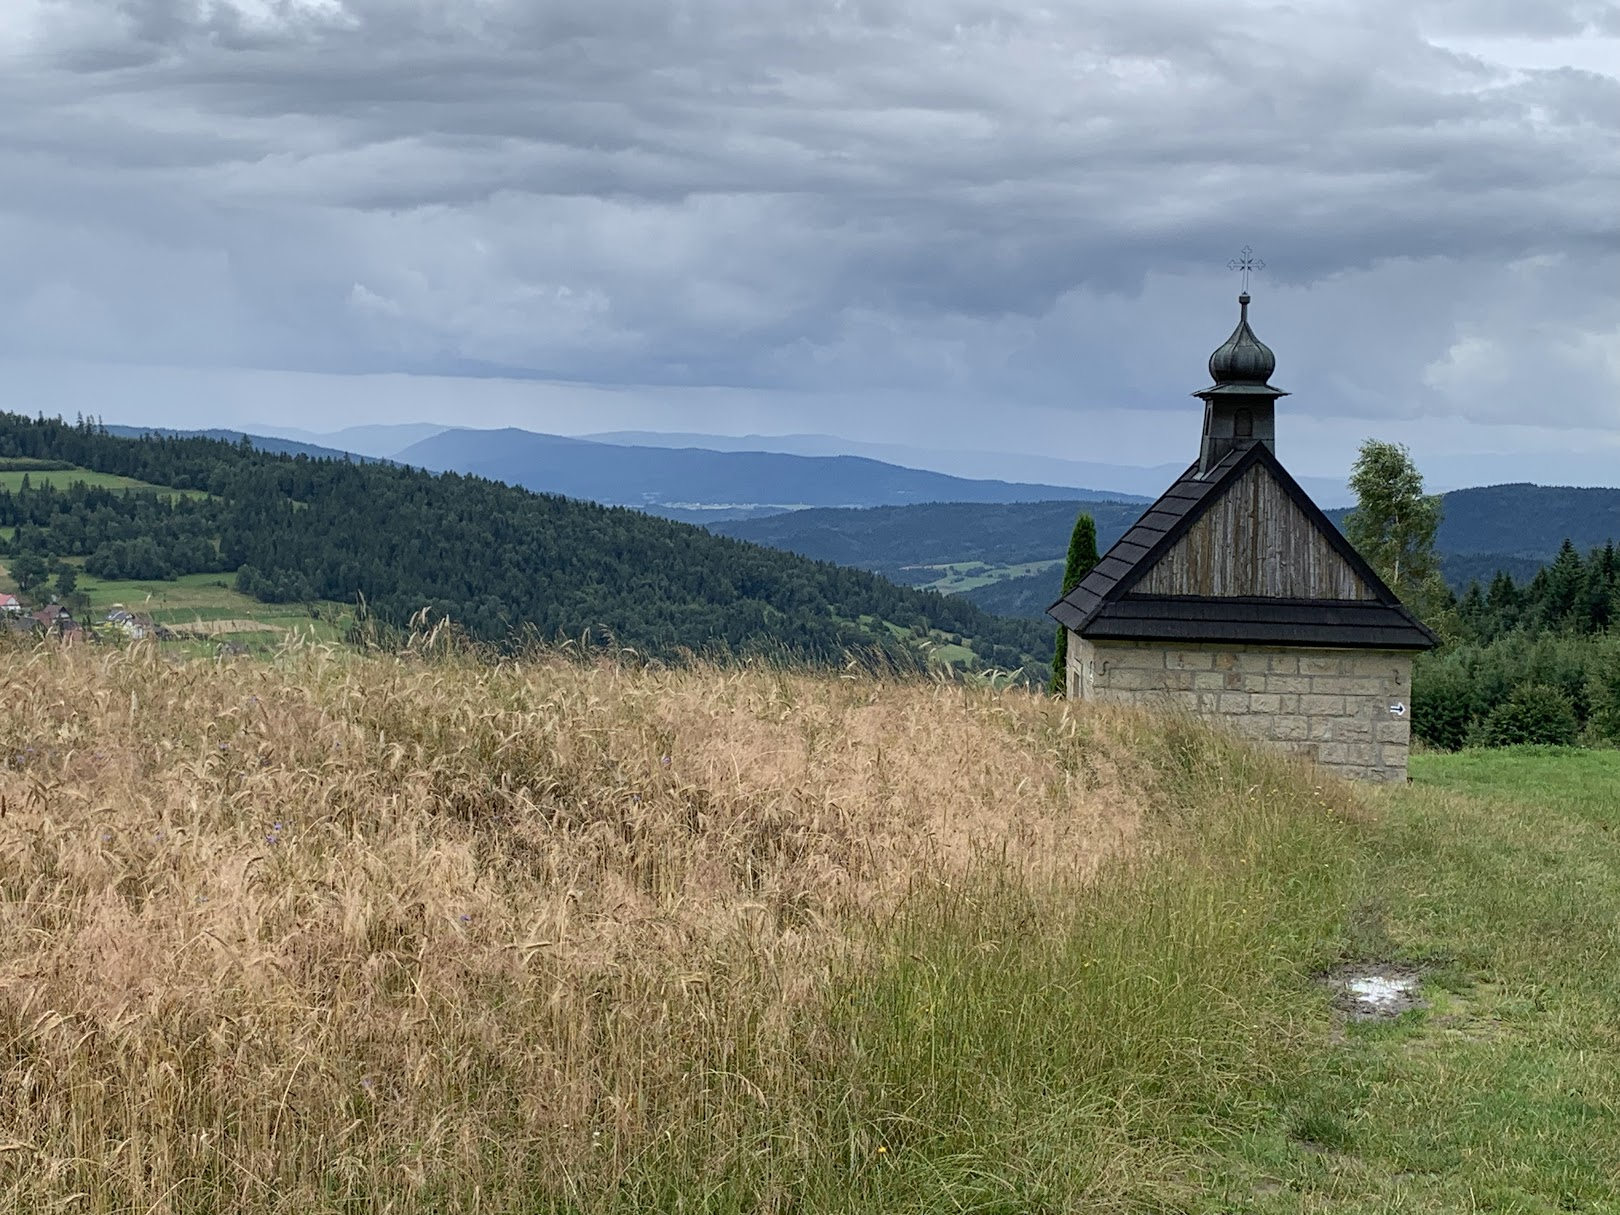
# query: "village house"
[55,619]
[1235,598]
[10,605]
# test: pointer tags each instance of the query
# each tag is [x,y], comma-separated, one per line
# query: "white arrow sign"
[1398,709]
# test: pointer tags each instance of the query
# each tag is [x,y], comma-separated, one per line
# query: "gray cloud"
[977,198]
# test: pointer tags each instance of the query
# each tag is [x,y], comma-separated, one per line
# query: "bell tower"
[1240,407]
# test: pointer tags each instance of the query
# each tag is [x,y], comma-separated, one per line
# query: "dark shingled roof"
[1102,608]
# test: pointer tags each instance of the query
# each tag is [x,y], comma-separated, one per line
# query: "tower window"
[1243,424]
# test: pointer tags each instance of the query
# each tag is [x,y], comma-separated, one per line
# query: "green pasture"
[195,598]
[958,576]
[62,478]
[1171,1042]
[1494,876]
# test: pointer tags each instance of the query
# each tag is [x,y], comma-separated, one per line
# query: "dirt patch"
[1374,991]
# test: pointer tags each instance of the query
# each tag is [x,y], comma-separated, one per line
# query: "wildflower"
[882,1151]
[368,1083]
[466,919]
[664,761]
[106,836]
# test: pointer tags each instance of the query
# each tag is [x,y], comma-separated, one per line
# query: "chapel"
[1235,598]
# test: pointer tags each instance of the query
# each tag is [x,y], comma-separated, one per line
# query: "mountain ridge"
[703,479]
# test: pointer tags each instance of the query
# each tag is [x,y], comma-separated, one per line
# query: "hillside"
[505,563]
[337,933]
[698,479]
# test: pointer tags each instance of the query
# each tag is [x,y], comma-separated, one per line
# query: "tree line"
[1531,663]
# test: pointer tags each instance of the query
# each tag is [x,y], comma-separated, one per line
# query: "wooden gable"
[1238,555]
[1254,540]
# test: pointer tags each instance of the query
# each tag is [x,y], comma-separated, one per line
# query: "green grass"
[62,478]
[956,577]
[196,598]
[202,598]
[1497,874]
[1164,1042]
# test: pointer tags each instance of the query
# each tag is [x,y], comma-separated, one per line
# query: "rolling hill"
[505,563]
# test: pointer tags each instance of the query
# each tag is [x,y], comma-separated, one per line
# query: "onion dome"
[1243,363]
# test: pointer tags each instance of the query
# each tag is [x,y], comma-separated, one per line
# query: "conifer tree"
[1082,556]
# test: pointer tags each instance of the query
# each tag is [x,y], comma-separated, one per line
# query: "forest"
[1537,663]
[502,562]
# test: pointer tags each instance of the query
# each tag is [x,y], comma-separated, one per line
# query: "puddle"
[1375,991]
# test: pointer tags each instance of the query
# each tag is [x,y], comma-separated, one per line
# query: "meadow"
[208,606]
[11,479]
[420,932]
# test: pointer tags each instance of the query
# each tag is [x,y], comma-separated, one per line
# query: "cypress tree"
[1082,556]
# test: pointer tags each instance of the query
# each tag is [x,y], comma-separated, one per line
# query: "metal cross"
[1247,262]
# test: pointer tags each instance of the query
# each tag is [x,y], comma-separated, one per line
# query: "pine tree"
[1082,556]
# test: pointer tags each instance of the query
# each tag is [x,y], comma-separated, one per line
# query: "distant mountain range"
[698,484]
[1119,482]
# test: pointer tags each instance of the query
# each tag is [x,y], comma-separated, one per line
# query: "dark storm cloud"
[972,196]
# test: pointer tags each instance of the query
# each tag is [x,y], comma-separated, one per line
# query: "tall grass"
[341,933]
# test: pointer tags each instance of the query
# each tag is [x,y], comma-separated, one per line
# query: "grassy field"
[64,477]
[338,933]
[960,576]
[205,606]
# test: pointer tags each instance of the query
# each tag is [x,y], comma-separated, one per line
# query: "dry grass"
[339,933]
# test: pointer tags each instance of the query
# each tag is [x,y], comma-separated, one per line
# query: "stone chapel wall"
[1330,705]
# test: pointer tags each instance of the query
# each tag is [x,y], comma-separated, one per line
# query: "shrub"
[1442,705]
[1535,713]
[1603,694]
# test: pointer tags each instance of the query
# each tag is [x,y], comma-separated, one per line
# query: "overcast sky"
[966,223]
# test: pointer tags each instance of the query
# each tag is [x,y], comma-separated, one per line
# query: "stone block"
[1252,725]
[1352,729]
[1129,679]
[1294,684]
[1318,664]
[1319,729]
[1287,727]
[1232,681]
[1282,664]
[1234,702]
[1322,706]
[1178,680]
[1353,685]
[1333,754]
[1189,660]
[1288,704]
[1209,681]
[1393,730]
[1226,660]
[1264,703]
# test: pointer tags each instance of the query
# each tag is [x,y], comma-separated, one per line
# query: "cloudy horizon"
[964,225]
